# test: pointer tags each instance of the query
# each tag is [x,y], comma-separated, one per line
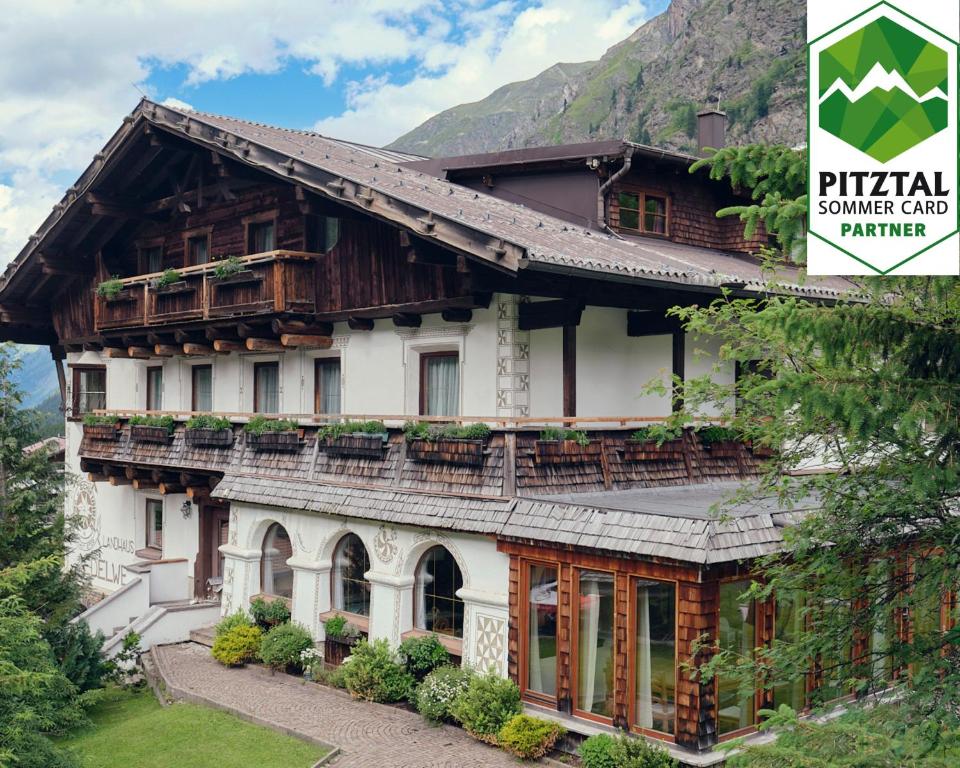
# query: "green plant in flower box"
[260,425]
[110,289]
[208,421]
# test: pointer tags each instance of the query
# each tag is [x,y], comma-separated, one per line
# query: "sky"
[365,70]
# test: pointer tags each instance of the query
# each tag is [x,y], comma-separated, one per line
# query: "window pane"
[655,215]
[542,630]
[438,607]
[737,635]
[153,259]
[629,210]
[155,389]
[351,591]
[276,575]
[328,386]
[92,384]
[595,644]
[202,388]
[331,233]
[198,251]
[442,381]
[154,523]
[656,653]
[788,624]
[262,237]
[267,388]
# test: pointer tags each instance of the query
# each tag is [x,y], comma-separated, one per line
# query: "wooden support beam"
[454,315]
[264,345]
[192,348]
[558,313]
[92,346]
[196,493]
[134,473]
[73,347]
[653,323]
[118,353]
[167,350]
[144,485]
[140,353]
[19,315]
[222,345]
[246,330]
[188,478]
[227,333]
[184,337]
[168,488]
[94,477]
[303,340]
[569,370]
[59,267]
[281,327]
[360,323]
[407,320]
[118,480]
[87,465]
[158,338]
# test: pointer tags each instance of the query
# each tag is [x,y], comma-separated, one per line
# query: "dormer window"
[643,212]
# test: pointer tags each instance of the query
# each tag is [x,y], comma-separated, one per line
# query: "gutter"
[602,193]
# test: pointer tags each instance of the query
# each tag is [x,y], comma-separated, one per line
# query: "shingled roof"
[495,231]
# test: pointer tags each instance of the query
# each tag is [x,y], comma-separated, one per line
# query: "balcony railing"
[273,282]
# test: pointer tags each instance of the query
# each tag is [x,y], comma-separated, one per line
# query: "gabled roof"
[506,235]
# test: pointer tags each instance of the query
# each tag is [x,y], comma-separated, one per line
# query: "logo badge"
[883,144]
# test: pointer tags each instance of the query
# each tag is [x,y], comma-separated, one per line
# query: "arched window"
[351,591]
[276,577]
[438,609]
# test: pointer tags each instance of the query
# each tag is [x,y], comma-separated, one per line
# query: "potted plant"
[169,282]
[151,429]
[311,662]
[208,430]
[449,443]
[354,438]
[720,441]
[339,637]
[263,434]
[566,446]
[648,444]
[101,427]
[113,290]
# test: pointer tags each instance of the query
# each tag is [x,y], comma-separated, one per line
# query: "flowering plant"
[311,659]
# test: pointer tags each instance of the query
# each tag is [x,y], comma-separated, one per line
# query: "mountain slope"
[648,88]
[36,377]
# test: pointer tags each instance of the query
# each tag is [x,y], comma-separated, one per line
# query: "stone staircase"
[203,636]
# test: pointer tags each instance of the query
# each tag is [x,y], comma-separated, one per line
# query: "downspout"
[602,194]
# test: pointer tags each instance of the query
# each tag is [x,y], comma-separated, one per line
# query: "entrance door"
[214,531]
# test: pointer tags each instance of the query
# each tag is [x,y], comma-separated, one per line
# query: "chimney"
[711,129]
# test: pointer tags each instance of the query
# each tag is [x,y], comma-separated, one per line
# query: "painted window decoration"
[276,577]
[438,578]
[351,590]
[440,384]
[737,635]
[262,237]
[642,212]
[542,629]
[328,385]
[202,385]
[656,671]
[198,250]
[89,390]
[155,524]
[595,651]
[266,387]
[155,388]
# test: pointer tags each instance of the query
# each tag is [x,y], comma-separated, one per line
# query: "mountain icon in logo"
[883,89]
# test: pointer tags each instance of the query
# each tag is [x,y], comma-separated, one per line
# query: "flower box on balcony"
[181,286]
[243,276]
[447,450]
[212,438]
[359,444]
[728,449]
[102,431]
[285,440]
[142,433]
[648,450]
[124,297]
[761,451]
[567,452]
[336,649]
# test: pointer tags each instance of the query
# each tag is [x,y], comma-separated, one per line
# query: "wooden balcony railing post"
[146,303]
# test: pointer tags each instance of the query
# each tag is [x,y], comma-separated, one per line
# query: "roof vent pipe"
[602,195]
[711,130]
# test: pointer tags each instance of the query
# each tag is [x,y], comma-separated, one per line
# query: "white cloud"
[58,108]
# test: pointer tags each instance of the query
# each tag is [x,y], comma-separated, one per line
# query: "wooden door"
[214,531]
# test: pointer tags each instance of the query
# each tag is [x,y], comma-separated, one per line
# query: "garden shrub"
[281,646]
[236,619]
[439,690]
[421,655]
[269,613]
[529,738]
[332,677]
[622,751]
[237,646]
[373,673]
[486,706]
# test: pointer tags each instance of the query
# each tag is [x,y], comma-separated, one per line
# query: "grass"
[130,728]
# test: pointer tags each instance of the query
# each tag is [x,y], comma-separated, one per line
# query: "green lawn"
[132,730]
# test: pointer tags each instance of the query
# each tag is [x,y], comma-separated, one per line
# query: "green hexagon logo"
[883,89]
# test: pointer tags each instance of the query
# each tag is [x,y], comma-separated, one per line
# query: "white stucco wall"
[394,552]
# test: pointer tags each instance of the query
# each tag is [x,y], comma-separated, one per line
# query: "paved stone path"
[369,735]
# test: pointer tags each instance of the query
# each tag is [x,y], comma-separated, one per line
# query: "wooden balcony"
[273,282]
